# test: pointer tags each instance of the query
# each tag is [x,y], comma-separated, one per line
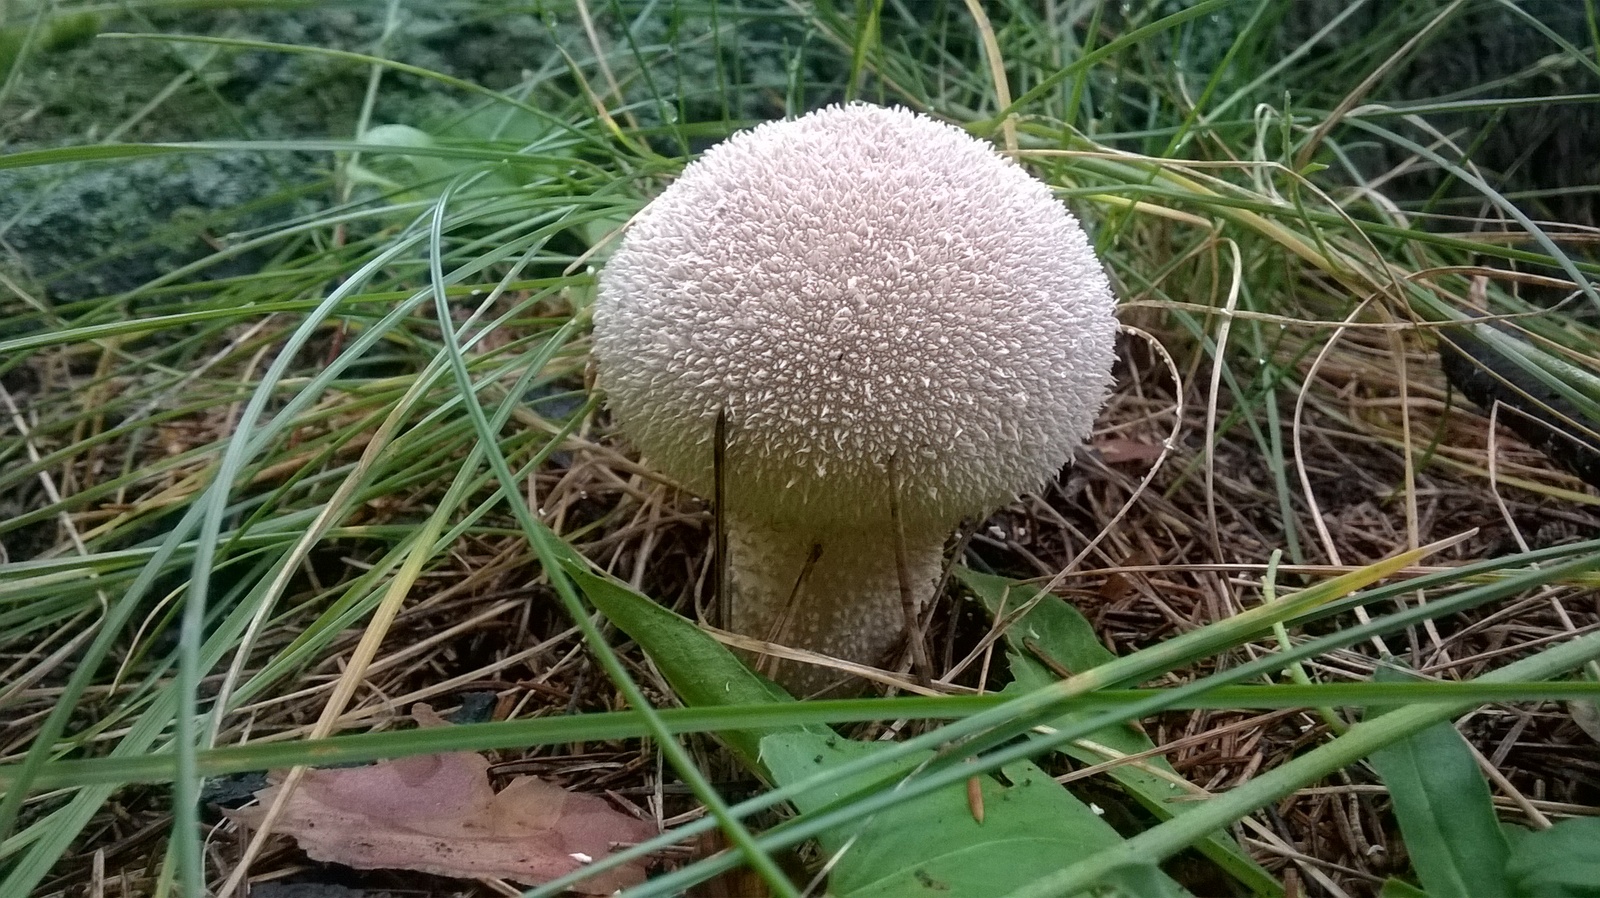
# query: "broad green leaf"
[926,847]
[1055,628]
[934,845]
[1399,888]
[1560,862]
[1446,816]
[702,672]
[406,160]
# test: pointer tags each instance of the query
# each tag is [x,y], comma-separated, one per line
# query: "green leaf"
[934,845]
[1056,629]
[417,165]
[1399,888]
[929,846]
[1446,817]
[702,672]
[1560,862]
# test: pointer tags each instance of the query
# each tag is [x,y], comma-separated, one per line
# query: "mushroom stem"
[848,604]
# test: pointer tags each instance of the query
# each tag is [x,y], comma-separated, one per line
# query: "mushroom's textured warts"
[857,289]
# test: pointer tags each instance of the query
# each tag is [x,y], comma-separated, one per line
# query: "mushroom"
[899,327]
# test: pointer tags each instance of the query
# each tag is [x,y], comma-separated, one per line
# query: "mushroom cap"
[853,286]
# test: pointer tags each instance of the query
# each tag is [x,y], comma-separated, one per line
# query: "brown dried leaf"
[1118,451]
[1118,584]
[438,814]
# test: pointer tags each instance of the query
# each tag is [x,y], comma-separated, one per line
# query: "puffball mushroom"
[902,329]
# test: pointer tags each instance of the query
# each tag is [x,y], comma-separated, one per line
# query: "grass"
[338,455]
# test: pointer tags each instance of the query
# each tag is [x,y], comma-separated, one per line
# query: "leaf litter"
[439,814]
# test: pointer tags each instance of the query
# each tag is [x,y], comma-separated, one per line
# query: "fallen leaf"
[1118,584]
[438,814]
[740,882]
[1117,451]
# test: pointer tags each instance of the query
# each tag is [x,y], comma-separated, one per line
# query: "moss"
[104,229]
[107,229]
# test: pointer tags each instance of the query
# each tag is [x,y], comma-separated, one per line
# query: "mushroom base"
[847,603]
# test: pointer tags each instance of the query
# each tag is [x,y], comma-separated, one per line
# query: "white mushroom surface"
[860,290]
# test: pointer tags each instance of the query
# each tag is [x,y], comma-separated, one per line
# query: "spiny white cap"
[851,286]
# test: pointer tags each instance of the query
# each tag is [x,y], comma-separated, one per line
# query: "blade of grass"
[550,551]
[1360,741]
